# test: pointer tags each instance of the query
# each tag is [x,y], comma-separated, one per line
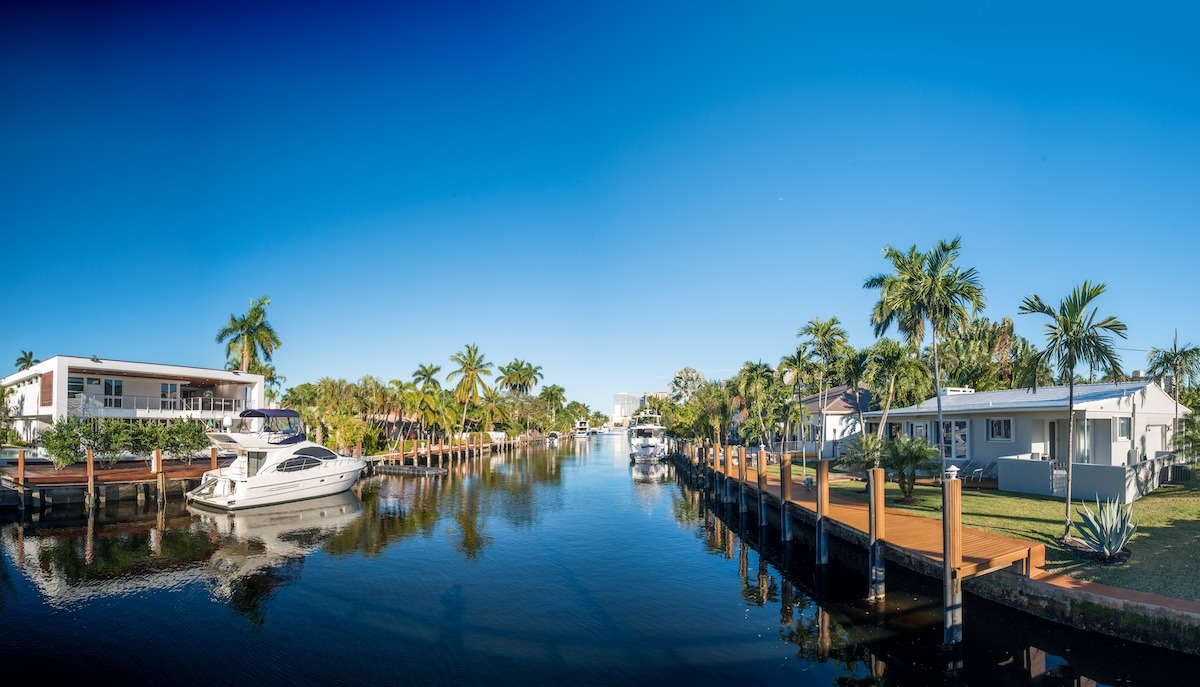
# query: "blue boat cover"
[269,412]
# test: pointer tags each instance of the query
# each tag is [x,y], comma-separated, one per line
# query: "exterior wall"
[1124,484]
[1025,475]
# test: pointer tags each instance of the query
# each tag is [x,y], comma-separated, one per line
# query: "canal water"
[547,566]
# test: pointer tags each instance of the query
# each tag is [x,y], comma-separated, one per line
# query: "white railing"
[120,405]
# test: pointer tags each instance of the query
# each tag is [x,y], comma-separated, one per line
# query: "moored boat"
[275,463]
[647,438]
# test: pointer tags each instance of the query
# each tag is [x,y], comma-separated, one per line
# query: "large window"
[113,390]
[955,437]
[74,387]
[1000,429]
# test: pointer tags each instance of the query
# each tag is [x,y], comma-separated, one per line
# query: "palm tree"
[249,334]
[26,361]
[1181,363]
[470,373]
[853,371]
[751,384]
[891,366]
[826,338]
[926,286]
[907,456]
[1074,337]
[554,396]
[430,387]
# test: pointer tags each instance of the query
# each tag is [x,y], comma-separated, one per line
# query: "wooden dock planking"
[982,552]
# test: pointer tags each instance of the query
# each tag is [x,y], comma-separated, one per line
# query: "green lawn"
[1165,552]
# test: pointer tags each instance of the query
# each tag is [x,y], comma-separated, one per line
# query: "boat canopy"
[269,412]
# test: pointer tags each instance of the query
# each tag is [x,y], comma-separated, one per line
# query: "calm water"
[547,567]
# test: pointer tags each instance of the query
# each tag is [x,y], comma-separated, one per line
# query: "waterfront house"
[65,386]
[836,413]
[1123,434]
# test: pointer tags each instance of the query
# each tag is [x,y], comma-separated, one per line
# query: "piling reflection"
[824,613]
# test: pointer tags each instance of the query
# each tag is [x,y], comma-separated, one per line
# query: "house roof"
[839,399]
[1025,399]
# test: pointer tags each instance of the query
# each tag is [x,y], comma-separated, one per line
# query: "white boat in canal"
[581,430]
[552,439]
[274,463]
[647,438]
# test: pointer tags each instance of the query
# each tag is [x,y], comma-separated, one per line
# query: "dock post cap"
[952,472]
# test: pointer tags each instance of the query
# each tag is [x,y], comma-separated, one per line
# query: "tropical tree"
[1181,362]
[554,396]
[926,286]
[752,384]
[1074,336]
[852,369]
[907,456]
[684,384]
[26,360]
[892,366]
[250,335]
[825,339]
[471,370]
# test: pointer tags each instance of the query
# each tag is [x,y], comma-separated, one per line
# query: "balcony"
[153,407]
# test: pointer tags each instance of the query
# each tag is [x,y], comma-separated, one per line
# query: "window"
[1000,429]
[113,390]
[954,439]
[297,463]
[1122,429]
[74,387]
[316,452]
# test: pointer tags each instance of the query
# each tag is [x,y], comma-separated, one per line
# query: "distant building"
[65,386]
[655,394]
[624,406]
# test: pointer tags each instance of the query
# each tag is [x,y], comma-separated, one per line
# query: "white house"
[1123,425]
[836,414]
[101,387]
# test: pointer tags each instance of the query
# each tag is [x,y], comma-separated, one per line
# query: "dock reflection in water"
[549,566]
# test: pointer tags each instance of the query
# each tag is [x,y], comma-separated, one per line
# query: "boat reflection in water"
[651,472]
[271,539]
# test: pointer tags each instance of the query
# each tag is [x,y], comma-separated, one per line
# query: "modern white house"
[65,386]
[1123,435]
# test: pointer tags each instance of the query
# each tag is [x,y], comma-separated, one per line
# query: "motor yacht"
[274,463]
[647,438]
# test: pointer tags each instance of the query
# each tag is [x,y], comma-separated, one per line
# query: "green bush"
[65,441]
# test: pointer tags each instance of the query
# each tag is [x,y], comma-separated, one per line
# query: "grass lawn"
[1165,552]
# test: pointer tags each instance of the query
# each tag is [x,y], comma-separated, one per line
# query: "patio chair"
[985,472]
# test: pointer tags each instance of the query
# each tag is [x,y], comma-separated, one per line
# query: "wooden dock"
[905,536]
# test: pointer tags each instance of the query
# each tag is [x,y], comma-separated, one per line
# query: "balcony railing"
[122,406]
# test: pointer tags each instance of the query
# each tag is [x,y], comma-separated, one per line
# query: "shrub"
[64,441]
[1107,530]
[183,439]
[907,456]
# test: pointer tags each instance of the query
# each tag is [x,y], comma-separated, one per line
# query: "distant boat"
[275,463]
[552,439]
[647,438]
[581,430]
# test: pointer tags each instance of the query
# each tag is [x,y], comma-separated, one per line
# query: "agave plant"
[1107,530]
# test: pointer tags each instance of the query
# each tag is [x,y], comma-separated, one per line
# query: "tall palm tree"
[1182,363]
[825,339]
[26,360]
[1074,337]
[426,379]
[926,286]
[889,366]
[751,385]
[471,370]
[554,396]
[246,336]
[853,371]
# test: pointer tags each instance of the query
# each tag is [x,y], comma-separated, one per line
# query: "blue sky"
[611,190]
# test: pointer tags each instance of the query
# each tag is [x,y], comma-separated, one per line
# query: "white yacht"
[552,439]
[581,430]
[647,438]
[274,463]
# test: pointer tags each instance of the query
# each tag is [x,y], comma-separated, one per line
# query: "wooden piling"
[876,477]
[785,495]
[822,544]
[952,597]
[742,479]
[91,480]
[213,458]
[21,479]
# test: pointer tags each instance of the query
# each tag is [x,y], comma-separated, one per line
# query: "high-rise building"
[624,406]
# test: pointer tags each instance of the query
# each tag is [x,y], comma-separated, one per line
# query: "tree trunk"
[937,390]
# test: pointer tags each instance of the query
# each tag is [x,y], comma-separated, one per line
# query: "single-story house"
[64,386]
[1123,433]
[836,413]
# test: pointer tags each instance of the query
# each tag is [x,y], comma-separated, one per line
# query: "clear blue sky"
[611,190]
